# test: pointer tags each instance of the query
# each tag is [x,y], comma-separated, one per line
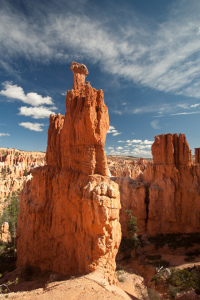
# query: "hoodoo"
[171,149]
[69,212]
[165,197]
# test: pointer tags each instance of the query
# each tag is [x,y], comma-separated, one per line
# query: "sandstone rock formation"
[197,155]
[14,164]
[80,145]
[171,149]
[69,212]
[5,233]
[165,196]
[133,197]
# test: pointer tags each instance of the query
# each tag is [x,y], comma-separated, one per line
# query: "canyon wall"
[165,194]
[15,166]
[173,184]
[69,212]
[171,149]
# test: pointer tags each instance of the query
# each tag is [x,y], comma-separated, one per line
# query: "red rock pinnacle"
[171,149]
[78,142]
[69,213]
[80,71]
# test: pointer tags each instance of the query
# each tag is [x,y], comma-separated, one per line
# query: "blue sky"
[145,55]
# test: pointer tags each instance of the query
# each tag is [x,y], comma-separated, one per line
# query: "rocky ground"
[138,276]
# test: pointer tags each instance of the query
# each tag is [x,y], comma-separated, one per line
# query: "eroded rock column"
[69,212]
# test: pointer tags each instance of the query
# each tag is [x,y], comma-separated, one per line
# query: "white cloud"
[4,134]
[117,112]
[186,113]
[195,105]
[120,141]
[183,105]
[111,128]
[137,52]
[139,148]
[36,112]
[16,92]
[139,152]
[113,131]
[144,147]
[32,126]
[154,124]
[136,141]
[147,142]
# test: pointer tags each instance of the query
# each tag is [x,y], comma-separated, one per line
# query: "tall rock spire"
[69,212]
[79,144]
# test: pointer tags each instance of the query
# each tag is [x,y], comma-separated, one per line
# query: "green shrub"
[174,240]
[155,278]
[152,295]
[186,278]
[173,291]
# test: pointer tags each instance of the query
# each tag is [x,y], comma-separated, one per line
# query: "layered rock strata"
[69,212]
[165,197]
[14,167]
[174,187]
[133,197]
[171,149]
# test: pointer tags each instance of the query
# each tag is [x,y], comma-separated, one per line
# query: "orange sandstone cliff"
[69,212]
[171,149]
[173,185]
[165,197]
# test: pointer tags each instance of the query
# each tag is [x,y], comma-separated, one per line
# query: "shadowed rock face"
[197,155]
[69,211]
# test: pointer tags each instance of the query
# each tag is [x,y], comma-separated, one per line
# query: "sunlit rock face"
[166,196]
[69,211]
[171,149]
[76,141]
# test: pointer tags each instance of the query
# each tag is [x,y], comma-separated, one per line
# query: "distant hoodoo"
[171,149]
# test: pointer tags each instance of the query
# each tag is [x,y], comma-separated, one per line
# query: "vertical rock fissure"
[147,207]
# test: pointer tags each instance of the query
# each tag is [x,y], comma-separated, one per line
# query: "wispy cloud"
[4,134]
[36,112]
[154,124]
[32,126]
[186,113]
[195,105]
[183,105]
[16,92]
[165,57]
